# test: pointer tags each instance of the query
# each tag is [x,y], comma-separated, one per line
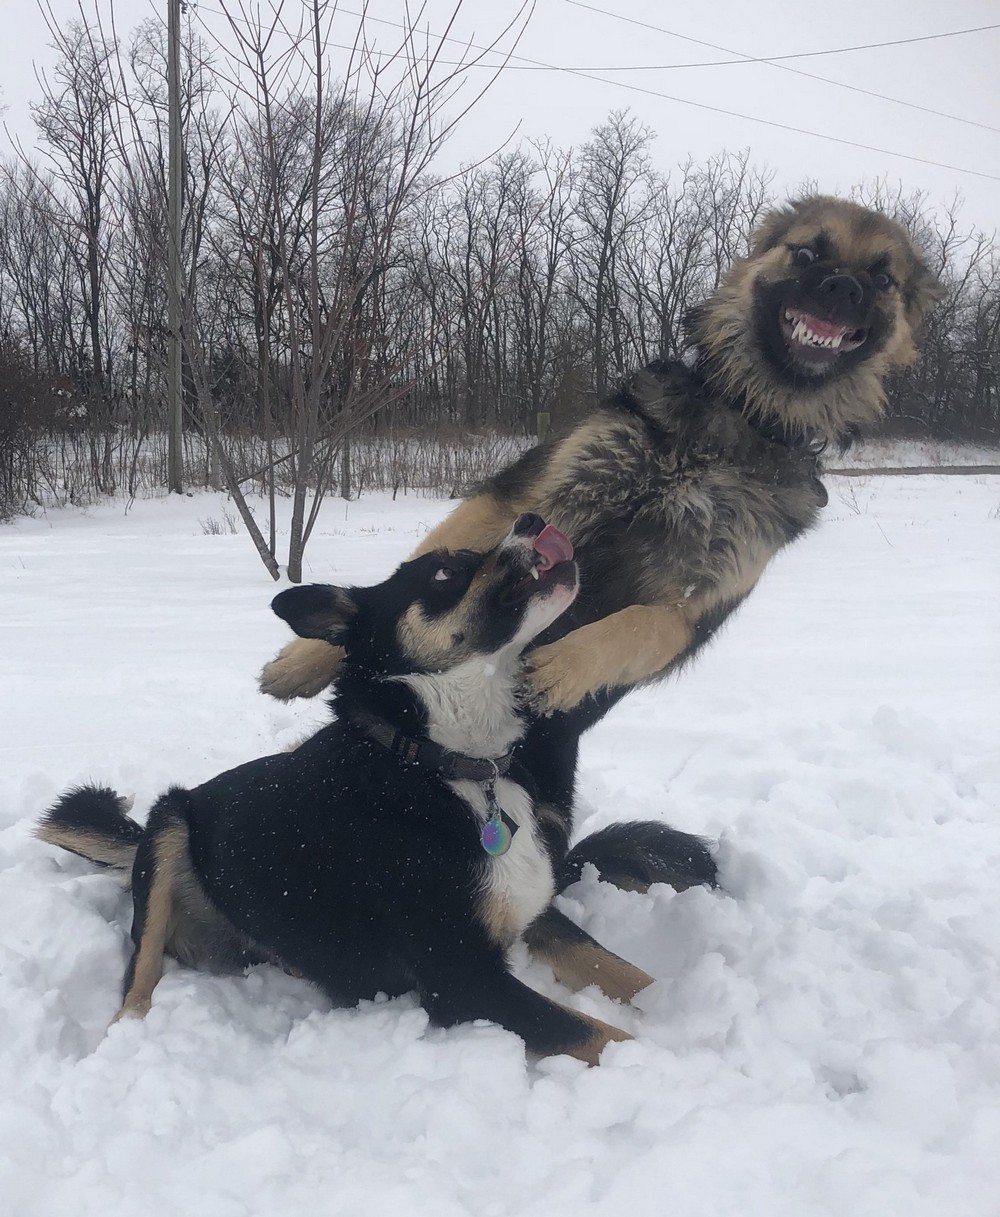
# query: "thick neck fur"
[472,708]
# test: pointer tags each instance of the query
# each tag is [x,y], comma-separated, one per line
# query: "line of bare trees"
[333,282]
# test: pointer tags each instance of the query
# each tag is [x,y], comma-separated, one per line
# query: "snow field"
[822,1037]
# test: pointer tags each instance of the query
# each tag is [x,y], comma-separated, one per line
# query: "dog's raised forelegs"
[302,668]
[622,649]
[477,524]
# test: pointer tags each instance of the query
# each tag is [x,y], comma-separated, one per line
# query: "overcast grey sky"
[959,76]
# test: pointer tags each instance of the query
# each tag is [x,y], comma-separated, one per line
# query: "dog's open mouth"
[553,563]
[813,340]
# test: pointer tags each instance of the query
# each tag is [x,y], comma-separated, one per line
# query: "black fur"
[638,853]
[680,487]
[96,812]
[361,872]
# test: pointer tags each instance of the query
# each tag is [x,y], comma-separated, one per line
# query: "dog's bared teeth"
[802,334]
[534,572]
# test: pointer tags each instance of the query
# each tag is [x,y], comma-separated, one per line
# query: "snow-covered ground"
[823,1035]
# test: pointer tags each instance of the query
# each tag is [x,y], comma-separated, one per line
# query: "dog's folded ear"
[317,610]
[922,290]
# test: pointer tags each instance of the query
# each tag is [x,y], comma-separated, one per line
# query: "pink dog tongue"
[552,547]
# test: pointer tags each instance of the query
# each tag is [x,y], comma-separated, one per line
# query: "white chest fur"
[517,885]
[471,709]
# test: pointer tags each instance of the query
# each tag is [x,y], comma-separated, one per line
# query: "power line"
[717,109]
[532,65]
[768,122]
[843,50]
[774,61]
[747,59]
[619,84]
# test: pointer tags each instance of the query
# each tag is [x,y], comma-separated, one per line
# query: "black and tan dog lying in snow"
[396,849]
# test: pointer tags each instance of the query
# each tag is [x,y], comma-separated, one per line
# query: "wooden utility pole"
[175,464]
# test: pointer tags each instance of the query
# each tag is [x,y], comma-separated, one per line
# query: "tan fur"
[497,917]
[717,520]
[589,440]
[171,863]
[302,668]
[603,1034]
[863,236]
[428,638]
[860,238]
[441,639]
[622,649]
[577,965]
[478,524]
[87,845]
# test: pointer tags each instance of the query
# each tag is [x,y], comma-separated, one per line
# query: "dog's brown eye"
[882,281]
[803,256]
[442,573]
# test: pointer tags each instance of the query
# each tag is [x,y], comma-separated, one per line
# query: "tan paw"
[134,1007]
[303,668]
[559,675]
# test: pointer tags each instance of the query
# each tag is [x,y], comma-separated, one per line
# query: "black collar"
[770,429]
[428,755]
[775,432]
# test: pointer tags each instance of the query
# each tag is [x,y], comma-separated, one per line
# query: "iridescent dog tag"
[499,829]
[496,836]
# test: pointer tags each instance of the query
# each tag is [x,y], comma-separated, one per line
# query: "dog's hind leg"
[579,960]
[161,863]
[464,989]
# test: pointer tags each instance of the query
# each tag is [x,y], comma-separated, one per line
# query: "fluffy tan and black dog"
[679,489]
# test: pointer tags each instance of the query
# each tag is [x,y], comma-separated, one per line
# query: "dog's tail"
[91,821]
[638,853]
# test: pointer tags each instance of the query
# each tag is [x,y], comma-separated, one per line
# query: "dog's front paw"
[303,668]
[557,676]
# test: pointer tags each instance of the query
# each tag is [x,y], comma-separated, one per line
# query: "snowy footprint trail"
[822,1037]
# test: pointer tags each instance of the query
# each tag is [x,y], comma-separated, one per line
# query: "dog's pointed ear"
[317,610]
[770,229]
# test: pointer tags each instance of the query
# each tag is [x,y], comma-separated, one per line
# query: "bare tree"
[342,162]
[75,121]
[614,199]
[328,275]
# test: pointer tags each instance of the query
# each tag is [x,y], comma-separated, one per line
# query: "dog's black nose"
[528,525]
[840,289]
